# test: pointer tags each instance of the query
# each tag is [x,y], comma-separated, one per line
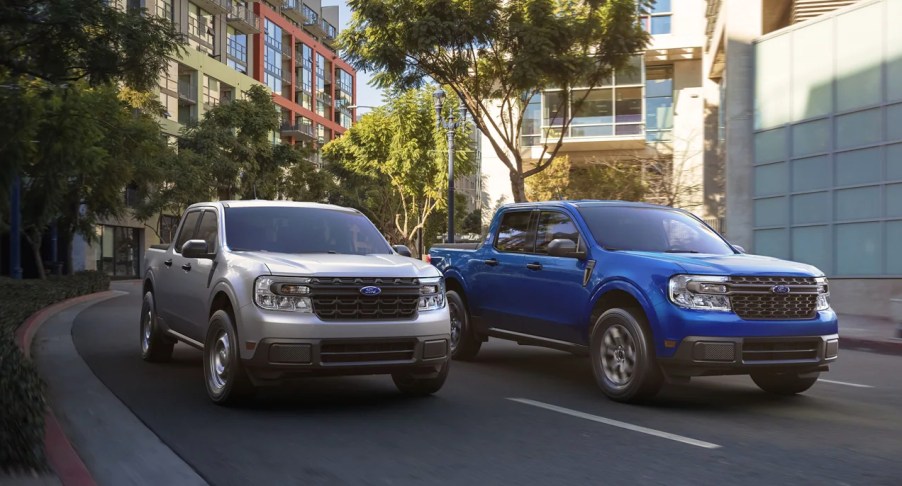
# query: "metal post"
[451,183]
[15,231]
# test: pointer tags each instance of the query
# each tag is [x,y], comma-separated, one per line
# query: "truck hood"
[341,265]
[742,264]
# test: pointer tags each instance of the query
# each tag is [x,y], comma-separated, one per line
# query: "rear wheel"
[226,380]
[623,359]
[155,346]
[464,342]
[780,383]
[415,384]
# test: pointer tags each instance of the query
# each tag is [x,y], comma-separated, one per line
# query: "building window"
[236,51]
[117,249]
[272,58]
[164,9]
[211,92]
[658,20]
[614,108]
[344,94]
[658,103]
[305,77]
[200,29]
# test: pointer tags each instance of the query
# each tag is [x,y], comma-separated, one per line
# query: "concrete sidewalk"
[869,334]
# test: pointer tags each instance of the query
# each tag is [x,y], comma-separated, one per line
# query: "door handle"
[491,262]
[534,266]
[168,263]
[186,267]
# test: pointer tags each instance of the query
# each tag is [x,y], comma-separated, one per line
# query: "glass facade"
[305,76]
[344,97]
[658,20]
[323,95]
[272,57]
[236,50]
[613,109]
[658,103]
[116,250]
[828,148]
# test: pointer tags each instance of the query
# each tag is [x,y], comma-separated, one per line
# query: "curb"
[893,347]
[63,458]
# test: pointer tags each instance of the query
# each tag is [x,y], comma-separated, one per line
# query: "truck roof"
[585,203]
[263,203]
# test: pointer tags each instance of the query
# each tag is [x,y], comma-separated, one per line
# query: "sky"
[366,94]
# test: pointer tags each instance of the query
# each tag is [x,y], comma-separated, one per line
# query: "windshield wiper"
[680,251]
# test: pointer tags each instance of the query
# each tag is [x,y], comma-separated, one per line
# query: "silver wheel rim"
[456,327]
[146,329]
[219,362]
[618,355]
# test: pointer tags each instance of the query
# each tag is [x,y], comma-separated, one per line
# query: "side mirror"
[739,248]
[401,250]
[564,248]
[196,249]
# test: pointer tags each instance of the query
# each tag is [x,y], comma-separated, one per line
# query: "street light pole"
[450,125]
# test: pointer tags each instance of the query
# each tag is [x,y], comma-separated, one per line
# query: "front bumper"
[278,358]
[716,355]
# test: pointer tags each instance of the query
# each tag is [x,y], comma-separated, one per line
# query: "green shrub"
[21,389]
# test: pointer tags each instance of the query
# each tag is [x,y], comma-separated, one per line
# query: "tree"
[61,42]
[497,56]
[399,145]
[612,179]
[88,146]
[229,154]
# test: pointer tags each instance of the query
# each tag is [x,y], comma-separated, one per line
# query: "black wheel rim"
[456,325]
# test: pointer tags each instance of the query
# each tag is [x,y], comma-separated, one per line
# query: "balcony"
[313,24]
[298,130]
[215,7]
[286,48]
[587,139]
[330,33]
[292,10]
[243,19]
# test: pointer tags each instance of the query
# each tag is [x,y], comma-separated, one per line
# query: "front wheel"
[780,383]
[623,360]
[464,342]
[155,347]
[418,385]
[226,380]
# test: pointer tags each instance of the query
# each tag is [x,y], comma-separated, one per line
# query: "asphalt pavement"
[516,415]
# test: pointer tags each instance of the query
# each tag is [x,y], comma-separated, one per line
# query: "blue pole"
[15,233]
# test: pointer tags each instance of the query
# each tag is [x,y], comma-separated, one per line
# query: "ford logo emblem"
[370,290]
[780,289]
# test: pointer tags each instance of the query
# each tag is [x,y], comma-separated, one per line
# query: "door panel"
[168,279]
[553,293]
[194,279]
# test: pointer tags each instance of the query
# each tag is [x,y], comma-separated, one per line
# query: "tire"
[623,359]
[783,383]
[225,378]
[156,347]
[420,386]
[465,343]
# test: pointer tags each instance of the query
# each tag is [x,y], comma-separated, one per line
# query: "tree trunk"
[35,244]
[518,187]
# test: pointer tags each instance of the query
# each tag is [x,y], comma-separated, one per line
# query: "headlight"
[283,294]
[823,294]
[432,293]
[703,292]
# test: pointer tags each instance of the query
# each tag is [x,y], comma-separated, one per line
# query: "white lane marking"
[617,423]
[856,385]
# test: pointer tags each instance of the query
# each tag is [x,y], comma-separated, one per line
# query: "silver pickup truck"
[272,290]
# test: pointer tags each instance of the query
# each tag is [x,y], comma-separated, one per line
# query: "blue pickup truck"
[650,293]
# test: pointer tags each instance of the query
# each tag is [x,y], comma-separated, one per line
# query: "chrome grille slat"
[752,298]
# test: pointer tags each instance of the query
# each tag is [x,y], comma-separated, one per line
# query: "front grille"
[794,350]
[345,352]
[339,298]
[754,298]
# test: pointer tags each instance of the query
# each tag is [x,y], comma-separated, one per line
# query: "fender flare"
[633,290]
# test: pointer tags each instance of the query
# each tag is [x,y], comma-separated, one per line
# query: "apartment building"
[651,111]
[809,96]
[285,45]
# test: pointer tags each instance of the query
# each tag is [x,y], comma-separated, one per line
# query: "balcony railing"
[243,19]
[292,10]
[285,47]
[330,31]
[215,7]
[300,130]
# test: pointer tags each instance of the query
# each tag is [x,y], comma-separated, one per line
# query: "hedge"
[21,389]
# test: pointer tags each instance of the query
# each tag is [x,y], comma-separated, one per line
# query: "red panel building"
[294,56]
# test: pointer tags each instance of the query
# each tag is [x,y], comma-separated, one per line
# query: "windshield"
[302,230]
[652,229]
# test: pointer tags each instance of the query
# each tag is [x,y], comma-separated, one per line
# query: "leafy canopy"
[496,55]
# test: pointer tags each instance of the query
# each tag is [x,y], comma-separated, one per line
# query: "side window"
[552,226]
[187,231]
[513,233]
[207,230]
